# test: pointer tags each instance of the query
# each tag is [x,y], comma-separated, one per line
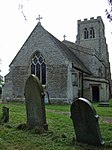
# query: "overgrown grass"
[60,134]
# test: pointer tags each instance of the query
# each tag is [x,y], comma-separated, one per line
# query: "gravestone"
[5,114]
[35,106]
[47,99]
[85,122]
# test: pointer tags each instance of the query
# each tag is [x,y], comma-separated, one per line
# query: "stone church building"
[66,70]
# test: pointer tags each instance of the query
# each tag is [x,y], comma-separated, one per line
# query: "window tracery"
[89,33]
[38,67]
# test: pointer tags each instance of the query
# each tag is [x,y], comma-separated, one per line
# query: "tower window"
[92,33]
[38,67]
[86,33]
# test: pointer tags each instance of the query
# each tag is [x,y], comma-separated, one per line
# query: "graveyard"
[33,124]
[56,94]
[60,134]
[56,97]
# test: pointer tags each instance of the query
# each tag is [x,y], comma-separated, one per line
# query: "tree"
[1,78]
[109,12]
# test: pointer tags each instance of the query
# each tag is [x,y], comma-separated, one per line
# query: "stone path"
[104,119]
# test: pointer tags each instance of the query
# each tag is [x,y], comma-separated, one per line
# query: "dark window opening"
[86,34]
[44,73]
[38,70]
[92,33]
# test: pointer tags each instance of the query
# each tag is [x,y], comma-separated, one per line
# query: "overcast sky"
[18,19]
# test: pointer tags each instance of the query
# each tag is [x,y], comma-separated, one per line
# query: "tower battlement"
[91,34]
[91,19]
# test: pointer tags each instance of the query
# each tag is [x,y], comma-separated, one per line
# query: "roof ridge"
[67,50]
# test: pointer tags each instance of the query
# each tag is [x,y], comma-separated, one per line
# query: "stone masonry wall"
[103,88]
[90,59]
[7,88]
[20,75]
[57,81]
[99,41]
[39,40]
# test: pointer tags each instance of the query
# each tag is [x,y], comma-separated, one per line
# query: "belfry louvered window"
[92,33]
[86,34]
[38,67]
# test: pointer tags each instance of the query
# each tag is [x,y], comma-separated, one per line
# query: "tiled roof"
[70,55]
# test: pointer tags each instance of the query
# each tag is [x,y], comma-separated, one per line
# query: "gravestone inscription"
[85,121]
[35,106]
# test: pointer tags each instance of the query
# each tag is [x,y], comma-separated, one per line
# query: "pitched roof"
[70,55]
[65,50]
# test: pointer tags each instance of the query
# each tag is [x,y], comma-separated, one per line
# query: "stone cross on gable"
[39,18]
[64,36]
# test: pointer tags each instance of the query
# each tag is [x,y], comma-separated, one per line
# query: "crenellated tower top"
[91,34]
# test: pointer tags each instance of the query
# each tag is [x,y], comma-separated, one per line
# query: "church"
[66,70]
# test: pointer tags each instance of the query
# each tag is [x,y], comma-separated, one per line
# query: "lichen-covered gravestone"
[85,121]
[35,106]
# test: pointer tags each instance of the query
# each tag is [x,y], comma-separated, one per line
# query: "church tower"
[91,34]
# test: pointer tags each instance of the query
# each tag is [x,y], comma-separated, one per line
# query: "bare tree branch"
[21,8]
[109,12]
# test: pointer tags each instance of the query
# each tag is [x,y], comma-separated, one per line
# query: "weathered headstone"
[5,114]
[35,106]
[85,121]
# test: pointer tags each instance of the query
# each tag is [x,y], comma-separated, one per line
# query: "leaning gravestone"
[85,121]
[5,114]
[35,106]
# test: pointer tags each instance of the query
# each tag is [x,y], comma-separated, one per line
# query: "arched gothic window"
[92,33]
[38,67]
[86,33]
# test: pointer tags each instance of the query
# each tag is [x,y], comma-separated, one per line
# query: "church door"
[95,93]
[38,67]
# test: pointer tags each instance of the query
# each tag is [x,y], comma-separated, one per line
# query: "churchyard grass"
[60,134]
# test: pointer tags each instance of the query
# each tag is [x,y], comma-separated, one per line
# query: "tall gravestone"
[35,106]
[85,121]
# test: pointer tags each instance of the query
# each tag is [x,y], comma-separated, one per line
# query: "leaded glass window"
[38,67]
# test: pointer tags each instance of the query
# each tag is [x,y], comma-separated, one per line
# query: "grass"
[60,134]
